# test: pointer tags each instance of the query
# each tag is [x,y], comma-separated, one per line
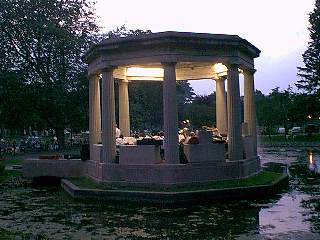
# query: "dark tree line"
[286,109]
[41,46]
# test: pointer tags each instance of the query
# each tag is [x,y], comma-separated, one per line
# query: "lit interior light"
[309,116]
[220,69]
[311,158]
[144,72]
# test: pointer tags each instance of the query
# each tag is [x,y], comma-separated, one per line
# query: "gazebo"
[171,57]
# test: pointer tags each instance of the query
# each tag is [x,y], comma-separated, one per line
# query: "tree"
[281,102]
[303,106]
[42,42]
[267,115]
[273,110]
[15,112]
[123,31]
[310,73]
[185,95]
[201,111]
[146,105]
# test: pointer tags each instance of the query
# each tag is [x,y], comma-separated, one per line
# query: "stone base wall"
[97,152]
[172,174]
[53,168]
[139,154]
[143,174]
[207,152]
[248,143]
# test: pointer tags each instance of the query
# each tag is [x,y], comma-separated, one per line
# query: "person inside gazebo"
[118,132]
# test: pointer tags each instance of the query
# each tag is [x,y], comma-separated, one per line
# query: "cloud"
[279,72]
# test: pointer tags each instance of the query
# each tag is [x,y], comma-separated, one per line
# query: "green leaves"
[41,42]
[310,73]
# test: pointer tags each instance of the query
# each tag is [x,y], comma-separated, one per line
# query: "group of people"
[132,140]
[186,135]
[191,137]
[9,147]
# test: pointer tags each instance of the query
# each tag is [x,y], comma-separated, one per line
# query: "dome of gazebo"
[195,54]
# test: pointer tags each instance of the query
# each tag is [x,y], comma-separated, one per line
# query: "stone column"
[124,117]
[94,112]
[170,115]
[221,106]
[249,105]
[108,117]
[234,114]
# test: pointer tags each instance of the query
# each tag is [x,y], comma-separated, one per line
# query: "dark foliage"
[310,73]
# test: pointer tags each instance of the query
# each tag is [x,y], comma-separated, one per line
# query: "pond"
[49,213]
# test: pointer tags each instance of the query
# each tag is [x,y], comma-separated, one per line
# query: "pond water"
[49,213]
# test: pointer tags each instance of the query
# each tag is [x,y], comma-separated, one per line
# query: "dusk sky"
[277,27]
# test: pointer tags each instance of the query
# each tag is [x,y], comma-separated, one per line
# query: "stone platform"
[177,197]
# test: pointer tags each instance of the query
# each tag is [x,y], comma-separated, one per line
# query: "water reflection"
[285,215]
[52,213]
[313,161]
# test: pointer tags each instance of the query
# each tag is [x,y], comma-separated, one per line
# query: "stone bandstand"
[171,57]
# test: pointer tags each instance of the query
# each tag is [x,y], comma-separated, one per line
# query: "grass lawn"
[15,161]
[5,174]
[4,163]
[9,174]
[262,178]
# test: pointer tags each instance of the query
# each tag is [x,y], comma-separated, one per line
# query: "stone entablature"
[180,47]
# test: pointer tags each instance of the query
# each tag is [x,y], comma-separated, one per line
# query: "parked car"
[295,130]
[281,130]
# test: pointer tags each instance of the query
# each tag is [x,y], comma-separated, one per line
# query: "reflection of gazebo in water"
[171,57]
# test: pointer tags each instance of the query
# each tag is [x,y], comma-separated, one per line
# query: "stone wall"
[53,168]
[173,174]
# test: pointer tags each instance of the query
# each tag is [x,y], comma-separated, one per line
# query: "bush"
[311,128]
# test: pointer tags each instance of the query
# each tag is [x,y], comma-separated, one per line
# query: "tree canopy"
[310,73]
[41,46]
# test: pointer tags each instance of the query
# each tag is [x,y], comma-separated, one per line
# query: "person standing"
[118,132]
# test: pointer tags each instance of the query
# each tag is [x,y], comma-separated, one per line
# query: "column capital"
[222,78]
[169,64]
[123,81]
[93,76]
[232,65]
[108,68]
[250,70]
